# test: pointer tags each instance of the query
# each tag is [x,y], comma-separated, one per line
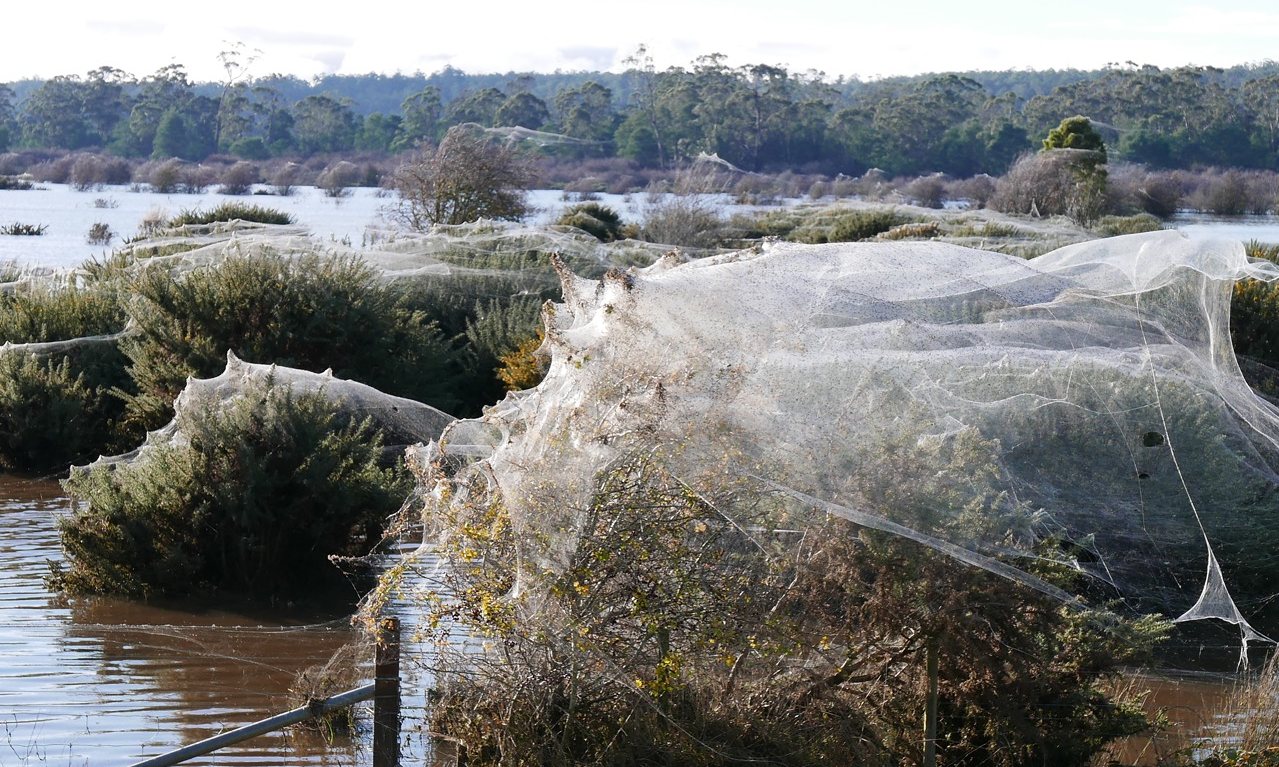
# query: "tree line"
[758,117]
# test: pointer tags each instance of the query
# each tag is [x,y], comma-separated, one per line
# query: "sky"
[850,38]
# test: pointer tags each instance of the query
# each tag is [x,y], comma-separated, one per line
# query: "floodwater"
[98,681]
[68,213]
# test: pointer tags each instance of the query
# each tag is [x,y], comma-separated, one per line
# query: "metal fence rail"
[384,691]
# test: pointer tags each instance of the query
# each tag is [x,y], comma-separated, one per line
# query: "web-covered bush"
[767,501]
[59,372]
[308,311]
[262,488]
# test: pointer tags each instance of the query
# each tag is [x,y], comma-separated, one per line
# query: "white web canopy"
[976,403]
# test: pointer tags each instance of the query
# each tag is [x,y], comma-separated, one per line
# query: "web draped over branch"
[1083,408]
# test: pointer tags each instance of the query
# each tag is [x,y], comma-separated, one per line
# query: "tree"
[586,112]
[420,118]
[8,119]
[323,124]
[522,110]
[466,178]
[378,133]
[476,107]
[1076,133]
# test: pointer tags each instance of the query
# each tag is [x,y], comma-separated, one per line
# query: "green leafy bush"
[600,221]
[231,211]
[45,413]
[1111,226]
[59,407]
[310,311]
[262,490]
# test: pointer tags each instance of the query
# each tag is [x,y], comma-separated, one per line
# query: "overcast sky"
[838,37]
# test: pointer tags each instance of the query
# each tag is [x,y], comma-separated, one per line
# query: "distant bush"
[337,179]
[250,148]
[239,178]
[310,311]
[600,221]
[684,220]
[231,211]
[1111,226]
[1066,182]
[264,488]
[285,178]
[927,191]
[18,229]
[90,171]
[851,226]
[976,190]
[99,234]
[12,183]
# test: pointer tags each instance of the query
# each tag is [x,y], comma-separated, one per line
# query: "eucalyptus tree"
[524,110]
[322,123]
[586,112]
[419,118]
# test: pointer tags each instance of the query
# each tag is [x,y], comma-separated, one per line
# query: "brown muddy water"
[98,681]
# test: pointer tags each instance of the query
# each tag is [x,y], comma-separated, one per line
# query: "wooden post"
[386,695]
[931,651]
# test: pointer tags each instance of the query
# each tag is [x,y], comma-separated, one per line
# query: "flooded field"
[96,681]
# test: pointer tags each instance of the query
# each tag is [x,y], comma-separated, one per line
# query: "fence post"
[386,695]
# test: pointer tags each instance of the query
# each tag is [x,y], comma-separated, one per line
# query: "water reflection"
[112,680]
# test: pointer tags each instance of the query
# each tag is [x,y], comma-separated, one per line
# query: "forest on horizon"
[758,117]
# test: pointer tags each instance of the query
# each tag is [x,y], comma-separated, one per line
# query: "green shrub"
[846,225]
[310,311]
[57,312]
[863,225]
[18,229]
[59,408]
[600,221]
[231,211]
[45,413]
[262,490]
[1111,226]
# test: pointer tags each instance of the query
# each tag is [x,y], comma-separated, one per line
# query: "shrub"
[99,234]
[337,179]
[684,220]
[927,191]
[863,225]
[12,183]
[262,490]
[18,229]
[1110,226]
[309,311]
[1067,182]
[466,178]
[664,635]
[250,148]
[76,378]
[285,178]
[600,221]
[164,177]
[231,211]
[976,190]
[44,407]
[239,179]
